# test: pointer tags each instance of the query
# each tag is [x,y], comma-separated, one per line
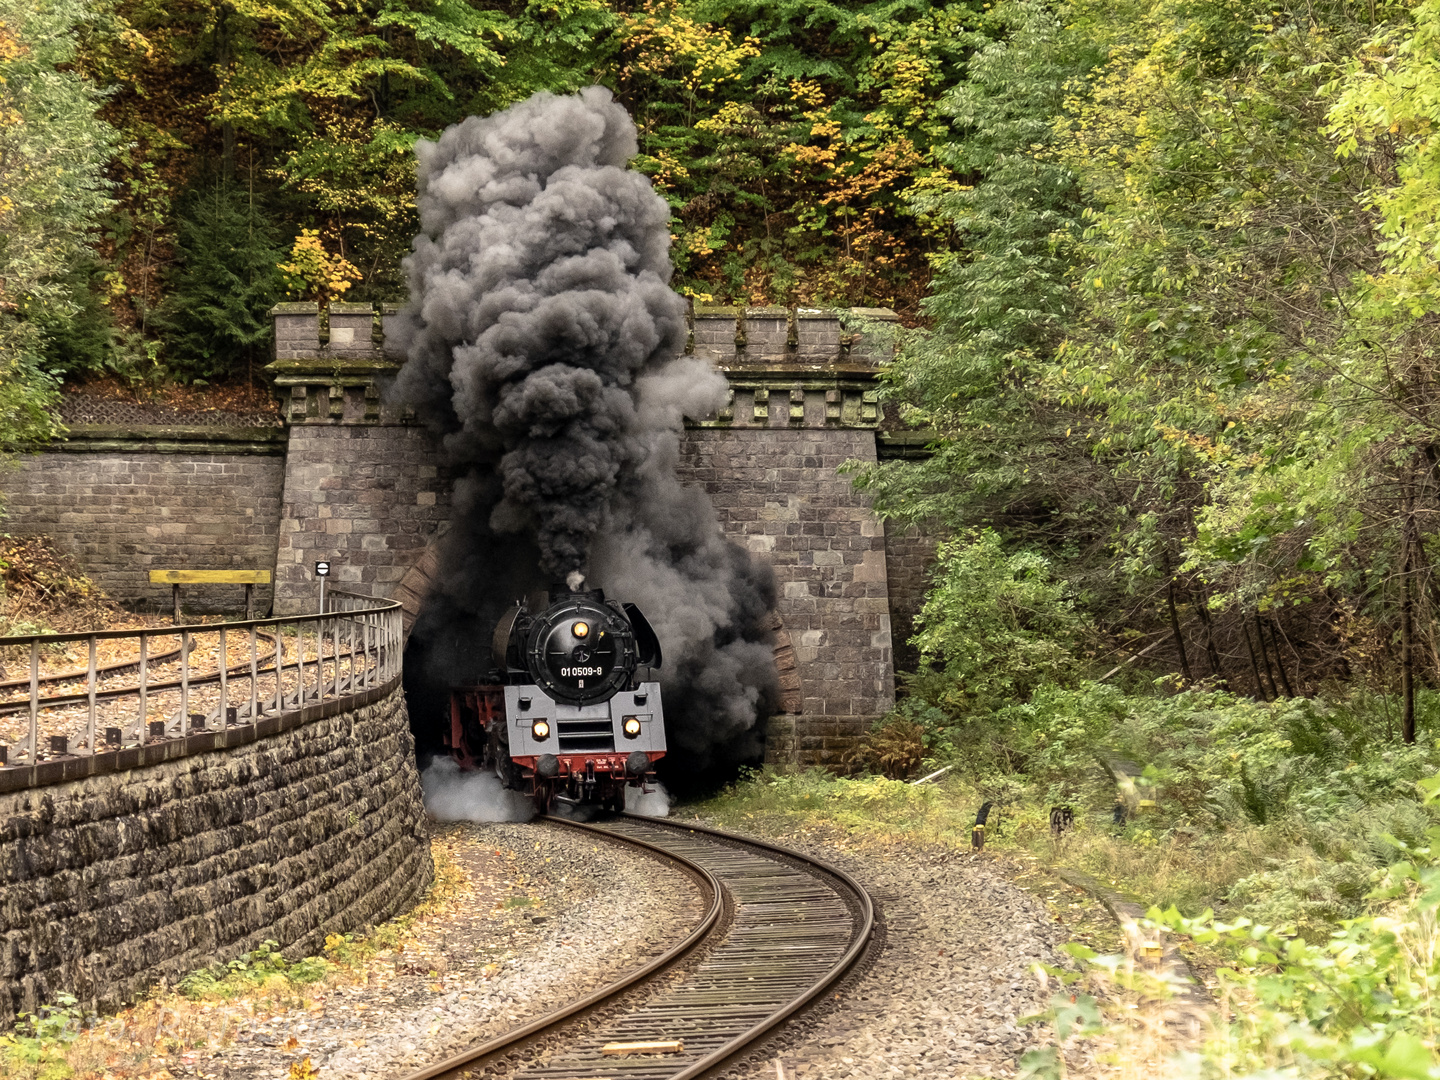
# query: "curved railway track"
[101,671]
[55,701]
[779,931]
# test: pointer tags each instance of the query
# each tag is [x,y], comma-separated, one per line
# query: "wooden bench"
[176,578]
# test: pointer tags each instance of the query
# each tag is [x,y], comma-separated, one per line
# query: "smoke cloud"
[545,344]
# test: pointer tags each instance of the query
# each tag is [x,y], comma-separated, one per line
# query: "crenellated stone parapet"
[787,367]
[332,372]
[795,367]
[367,488]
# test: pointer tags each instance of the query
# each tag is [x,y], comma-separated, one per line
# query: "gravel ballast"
[550,914]
[952,978]
[555,914]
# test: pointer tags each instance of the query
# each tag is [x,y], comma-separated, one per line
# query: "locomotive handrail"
[352,647]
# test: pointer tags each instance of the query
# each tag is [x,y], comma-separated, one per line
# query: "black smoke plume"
[543,340]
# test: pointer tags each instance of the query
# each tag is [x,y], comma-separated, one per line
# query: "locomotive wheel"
[544,796]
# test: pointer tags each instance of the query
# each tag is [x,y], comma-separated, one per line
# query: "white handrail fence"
[183,680]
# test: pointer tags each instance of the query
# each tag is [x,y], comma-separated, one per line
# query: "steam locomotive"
[571,710]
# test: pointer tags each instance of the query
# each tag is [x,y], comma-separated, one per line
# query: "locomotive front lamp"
[632,727]
[580,629]
[540,730]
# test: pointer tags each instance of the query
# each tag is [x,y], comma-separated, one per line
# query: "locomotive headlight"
[631,727]
[540,730]
[580,629]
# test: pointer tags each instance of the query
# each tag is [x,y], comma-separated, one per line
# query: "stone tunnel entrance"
[445,648]
[366,484]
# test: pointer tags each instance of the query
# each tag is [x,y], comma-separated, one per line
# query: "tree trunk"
[1280,660]
[1336,610]
[1407,634]
[1265,656]
[1203,609]
[227,128]
[1254,666]
[1179,637]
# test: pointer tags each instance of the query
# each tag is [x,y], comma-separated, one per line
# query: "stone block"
[870,334]
[297,328]
[352,328]
[817,336]
[767,335]
[312,830]
[716,330]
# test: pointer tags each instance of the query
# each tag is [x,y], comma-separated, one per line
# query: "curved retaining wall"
[312,825]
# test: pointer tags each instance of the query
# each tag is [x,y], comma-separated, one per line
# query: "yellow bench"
[176,578]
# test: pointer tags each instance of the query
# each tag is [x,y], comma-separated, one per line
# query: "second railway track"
[792,928]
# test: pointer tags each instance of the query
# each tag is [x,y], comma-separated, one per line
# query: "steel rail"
[733,986]
[113,668]
[861,940]
[543,1025]
[56,701]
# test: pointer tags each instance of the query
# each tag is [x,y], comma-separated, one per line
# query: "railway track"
[55,701]
[101,671]
[779,931]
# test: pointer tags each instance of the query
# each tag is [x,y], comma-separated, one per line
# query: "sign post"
[322,571]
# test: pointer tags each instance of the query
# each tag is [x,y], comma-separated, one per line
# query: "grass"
[1159,858]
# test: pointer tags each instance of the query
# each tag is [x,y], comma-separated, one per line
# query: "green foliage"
[36,1047]
[256,970]
[996,625]
[1001,292]
[221,286]
[1184,340]
[1389,100]
[79,337]
[872,803]
[53,152]
[786,139]
[1357,1002]
[1054,735]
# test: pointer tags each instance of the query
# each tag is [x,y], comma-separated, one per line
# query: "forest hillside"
[1169,272]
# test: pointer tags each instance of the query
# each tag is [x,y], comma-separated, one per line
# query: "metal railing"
[183,680]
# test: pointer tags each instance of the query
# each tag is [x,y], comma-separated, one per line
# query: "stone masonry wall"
[366,497]
[778,493]
[909,557]
[110,883]
[124,513]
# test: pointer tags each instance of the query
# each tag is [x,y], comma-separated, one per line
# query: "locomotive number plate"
[580,672]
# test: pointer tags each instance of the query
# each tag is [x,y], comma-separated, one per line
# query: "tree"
[53,152]
[224,280]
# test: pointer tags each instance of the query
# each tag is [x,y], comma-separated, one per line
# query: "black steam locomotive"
[570,711]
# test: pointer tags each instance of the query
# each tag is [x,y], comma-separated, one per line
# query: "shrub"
[995,626]
[894,747]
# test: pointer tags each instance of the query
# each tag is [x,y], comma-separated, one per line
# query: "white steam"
[452,795]
[654,803]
